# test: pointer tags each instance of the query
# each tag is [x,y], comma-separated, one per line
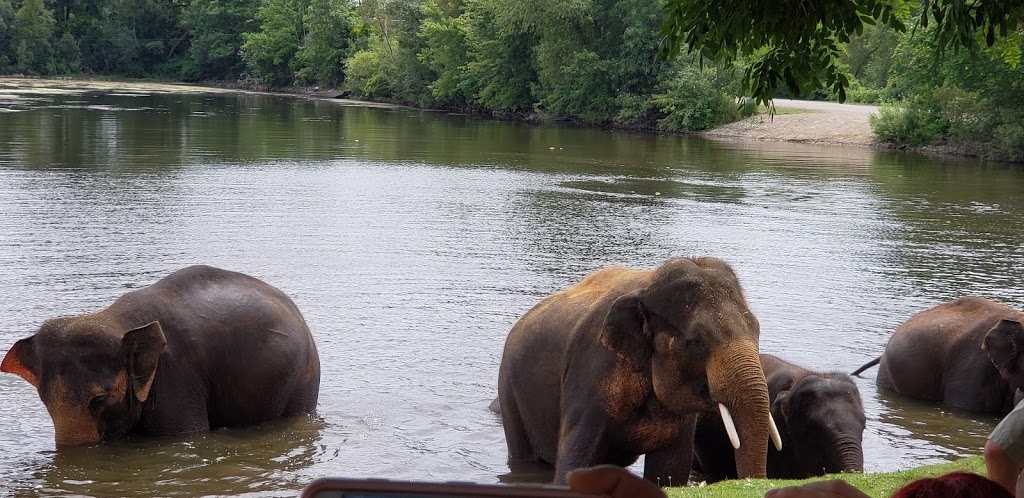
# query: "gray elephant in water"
[620,364]
[820,417]
[201,348]
[967,353]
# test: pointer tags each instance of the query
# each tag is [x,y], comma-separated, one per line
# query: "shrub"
[1008,142]
[636,110]
[582,91]
[965,114]
[907,124]
[364,74]
[693,101]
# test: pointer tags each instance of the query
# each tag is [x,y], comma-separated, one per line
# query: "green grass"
[877,485]
[782,110]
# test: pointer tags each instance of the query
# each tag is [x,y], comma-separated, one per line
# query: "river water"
[412,241]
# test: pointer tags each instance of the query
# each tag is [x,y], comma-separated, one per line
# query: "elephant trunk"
[73,427]
[737,381]
[851,456]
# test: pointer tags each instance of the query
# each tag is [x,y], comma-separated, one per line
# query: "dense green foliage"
[956,101]
[215,30]
[278,42]
[954,80]
[796,45]
[592,61]
[799,45]
[973,105]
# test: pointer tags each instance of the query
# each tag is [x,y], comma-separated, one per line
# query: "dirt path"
[813,122]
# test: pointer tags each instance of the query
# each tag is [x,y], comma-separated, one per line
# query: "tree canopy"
[796,43]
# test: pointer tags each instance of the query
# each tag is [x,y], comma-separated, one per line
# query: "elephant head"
[1004,344]
[691,329]
[822,419]
[91,376]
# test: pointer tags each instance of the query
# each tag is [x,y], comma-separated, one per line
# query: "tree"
[6,34]
[33,37]
[106,42]
[268,53]
[67,55]
[971,104]
[500,72]
[327,42]
[215,29]
[797,42]
[869,56]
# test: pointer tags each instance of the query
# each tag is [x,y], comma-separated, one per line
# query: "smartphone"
[336,487]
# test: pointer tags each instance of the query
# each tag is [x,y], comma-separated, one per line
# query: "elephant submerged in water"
[820,417]
[967,353]
[620,364]
[201,348]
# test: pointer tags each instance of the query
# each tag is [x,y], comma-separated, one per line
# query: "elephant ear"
[780,407]
[624,332]
[1004,344]
[22,360]
[141,349]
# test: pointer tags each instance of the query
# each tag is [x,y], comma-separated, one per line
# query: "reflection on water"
[262,460]
[905,422]
[412,241]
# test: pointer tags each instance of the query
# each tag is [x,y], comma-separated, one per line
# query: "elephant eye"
[97,402]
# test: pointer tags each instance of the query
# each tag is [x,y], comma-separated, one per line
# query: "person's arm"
[1001,468]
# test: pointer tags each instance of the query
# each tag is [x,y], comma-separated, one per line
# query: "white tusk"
[774,431]
[730,427]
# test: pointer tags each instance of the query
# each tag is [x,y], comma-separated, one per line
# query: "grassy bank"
[877,485]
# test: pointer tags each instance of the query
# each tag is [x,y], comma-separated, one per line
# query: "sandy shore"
[806,122]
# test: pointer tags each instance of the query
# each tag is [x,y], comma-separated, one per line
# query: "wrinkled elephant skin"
[620,364]
[201,348]
[967,353]
[820,417]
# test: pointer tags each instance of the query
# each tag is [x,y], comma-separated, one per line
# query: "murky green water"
[412,241]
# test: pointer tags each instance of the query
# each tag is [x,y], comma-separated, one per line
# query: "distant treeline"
[593,61]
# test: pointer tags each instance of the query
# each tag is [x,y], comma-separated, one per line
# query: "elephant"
[620,364]
[820,417]
[967,353]
[201,348]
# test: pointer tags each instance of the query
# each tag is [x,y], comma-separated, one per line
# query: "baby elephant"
[967,353]
[820,418]
[201,348]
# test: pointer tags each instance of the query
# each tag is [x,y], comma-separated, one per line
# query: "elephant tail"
[867,366]
[495,406]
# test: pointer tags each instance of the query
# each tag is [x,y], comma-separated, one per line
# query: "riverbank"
[797,121]
[12,86]
[806,122]
[876,485]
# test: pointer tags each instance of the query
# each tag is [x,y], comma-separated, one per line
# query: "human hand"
[833,488]
[612,481]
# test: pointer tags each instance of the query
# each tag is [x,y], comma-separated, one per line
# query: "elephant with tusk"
[820,414]
[620,364]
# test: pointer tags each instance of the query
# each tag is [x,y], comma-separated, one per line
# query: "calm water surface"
[412,241]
